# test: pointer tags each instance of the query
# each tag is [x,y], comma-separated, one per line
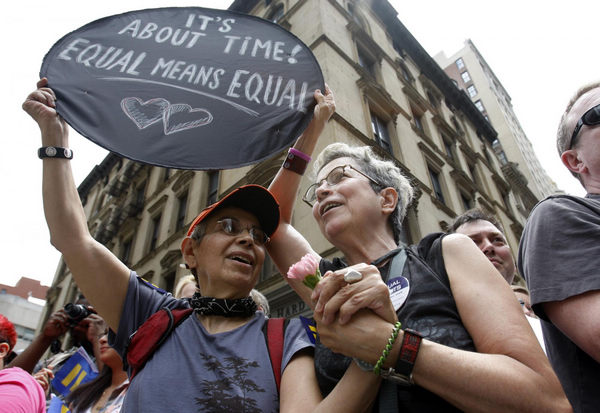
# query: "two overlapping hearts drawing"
[175,117]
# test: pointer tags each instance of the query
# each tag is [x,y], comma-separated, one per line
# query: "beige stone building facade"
[520,165]
[390,94]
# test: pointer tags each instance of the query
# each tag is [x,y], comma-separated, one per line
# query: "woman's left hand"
[333,296]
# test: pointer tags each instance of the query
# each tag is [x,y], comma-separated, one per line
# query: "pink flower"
[307,270]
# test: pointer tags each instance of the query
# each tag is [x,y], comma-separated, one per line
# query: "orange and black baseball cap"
[252,198]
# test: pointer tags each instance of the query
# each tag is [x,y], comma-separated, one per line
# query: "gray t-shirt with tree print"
[194,371]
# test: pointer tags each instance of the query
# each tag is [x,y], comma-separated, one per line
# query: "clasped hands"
[347,314]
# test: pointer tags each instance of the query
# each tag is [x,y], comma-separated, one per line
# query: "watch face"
[51,151]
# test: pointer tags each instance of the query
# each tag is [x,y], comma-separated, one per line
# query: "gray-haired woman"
[464,343]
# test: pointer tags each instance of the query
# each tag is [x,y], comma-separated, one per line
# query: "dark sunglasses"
[333,178]
[233,227]
[590,118]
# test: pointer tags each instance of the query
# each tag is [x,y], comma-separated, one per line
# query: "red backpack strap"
[275,337]
[151,335]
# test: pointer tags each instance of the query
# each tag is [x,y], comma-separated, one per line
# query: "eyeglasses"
[233,227]
[333,178]
[590,118]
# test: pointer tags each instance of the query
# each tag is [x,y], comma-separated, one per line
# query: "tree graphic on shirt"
[233,374]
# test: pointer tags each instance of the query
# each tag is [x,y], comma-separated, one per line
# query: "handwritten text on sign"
[212,79]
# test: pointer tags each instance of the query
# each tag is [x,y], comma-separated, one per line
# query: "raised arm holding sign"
[217,358]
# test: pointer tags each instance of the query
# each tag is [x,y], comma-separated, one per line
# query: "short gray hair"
[383,171]
[563,136]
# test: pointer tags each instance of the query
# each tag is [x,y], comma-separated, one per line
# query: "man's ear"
[570,158]
[187,250]
[389,200]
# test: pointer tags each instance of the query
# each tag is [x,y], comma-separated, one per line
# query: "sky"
[536,49]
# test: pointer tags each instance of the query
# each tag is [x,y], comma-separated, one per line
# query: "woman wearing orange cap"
[216,360]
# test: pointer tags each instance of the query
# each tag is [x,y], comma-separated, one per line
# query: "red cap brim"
[252,198]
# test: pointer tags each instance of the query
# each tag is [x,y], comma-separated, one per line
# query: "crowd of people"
[435,326]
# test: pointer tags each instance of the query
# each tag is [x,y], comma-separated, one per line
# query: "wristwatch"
[55,152]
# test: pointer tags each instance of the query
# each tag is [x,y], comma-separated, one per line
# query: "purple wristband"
[296,161]
[299,154]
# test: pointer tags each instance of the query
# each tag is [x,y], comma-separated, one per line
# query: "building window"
[436,184]
[380,132]
[366,62]
[418,120]
[181,210]
[488,158]
[155,232]
[139,194]
[456,124]
[276,14]
[505,199]
[419,123]
[356,16]
[405,73]
[126,251]
[268,269]
[466,201]
[448,147]
[213,187]
[169,281]
[167,174]
[479,105]
[473,172]
[465,77]
[502,156]
[472,91]
[432,99]
[459,63]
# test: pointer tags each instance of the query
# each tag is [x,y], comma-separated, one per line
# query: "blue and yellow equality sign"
[79,368]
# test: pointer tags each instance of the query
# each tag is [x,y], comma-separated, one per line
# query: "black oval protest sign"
[189,88]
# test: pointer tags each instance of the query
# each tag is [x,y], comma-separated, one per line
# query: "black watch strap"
[402,375]
[55,152]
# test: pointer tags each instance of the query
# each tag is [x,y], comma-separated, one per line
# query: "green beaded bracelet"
[387,348]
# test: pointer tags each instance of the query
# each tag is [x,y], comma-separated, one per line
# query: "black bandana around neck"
[237,307]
